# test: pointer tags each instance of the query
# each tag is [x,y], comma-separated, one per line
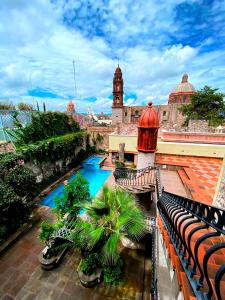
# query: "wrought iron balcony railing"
[134,177]
[197,232]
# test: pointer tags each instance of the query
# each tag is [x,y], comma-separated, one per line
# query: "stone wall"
[104,131]
[199,126]
[169,115]
[6,147]
[45,169]
[117,115]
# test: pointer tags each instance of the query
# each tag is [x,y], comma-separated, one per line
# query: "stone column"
[110,156]
[145,160]
[121,151]
[135,159]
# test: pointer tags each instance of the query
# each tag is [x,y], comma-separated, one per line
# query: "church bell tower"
[117,106]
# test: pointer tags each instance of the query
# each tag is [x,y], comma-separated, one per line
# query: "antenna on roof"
[74,77]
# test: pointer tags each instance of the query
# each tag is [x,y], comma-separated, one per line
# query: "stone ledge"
[19,233]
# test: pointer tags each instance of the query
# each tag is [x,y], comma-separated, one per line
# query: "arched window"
[184,99]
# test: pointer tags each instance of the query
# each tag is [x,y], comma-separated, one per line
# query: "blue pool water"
[91,171]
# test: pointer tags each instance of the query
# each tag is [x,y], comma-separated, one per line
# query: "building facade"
[169,114]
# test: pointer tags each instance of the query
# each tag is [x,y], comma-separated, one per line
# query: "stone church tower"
[117,107]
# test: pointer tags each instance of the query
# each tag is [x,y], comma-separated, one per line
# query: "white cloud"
[37,50]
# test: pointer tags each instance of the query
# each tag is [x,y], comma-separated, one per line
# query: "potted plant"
[66,209]
[111,216]
[88,270]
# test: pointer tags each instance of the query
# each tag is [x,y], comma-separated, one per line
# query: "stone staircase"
[139,189]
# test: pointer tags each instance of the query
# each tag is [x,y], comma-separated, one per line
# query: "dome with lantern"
[182,92]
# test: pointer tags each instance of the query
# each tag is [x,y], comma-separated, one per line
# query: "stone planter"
[89,280]
[52,262]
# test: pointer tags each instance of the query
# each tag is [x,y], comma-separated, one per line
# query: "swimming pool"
[95,176]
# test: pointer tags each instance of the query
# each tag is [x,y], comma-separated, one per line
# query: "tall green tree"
[207,104]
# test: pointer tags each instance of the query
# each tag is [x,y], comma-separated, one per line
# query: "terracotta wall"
[191,137]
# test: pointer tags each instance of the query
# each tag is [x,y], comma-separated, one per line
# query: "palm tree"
[111,216]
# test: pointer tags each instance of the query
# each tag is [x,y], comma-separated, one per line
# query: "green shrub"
[89,264]
[75,194]
[54,148]
[13,211]
[47,230]
[112,274]
[45,125]
[3,233]
[119,164]
[21,180]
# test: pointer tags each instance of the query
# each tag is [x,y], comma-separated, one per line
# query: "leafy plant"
[206,104]
[111,216]
[24,106]
[3,233]
[75,194]
[45,125]
[7,106]
[47,230]
[112,274]
[119,164]
[89,264]
[21,180]
[53,148]
[12,208]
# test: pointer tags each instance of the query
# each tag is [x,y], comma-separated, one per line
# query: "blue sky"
[156,41]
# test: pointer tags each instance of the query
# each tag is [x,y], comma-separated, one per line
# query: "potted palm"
[111,216]
[67,207]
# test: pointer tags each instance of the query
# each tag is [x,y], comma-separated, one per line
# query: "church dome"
[184,86]
[149,118]
[70,107]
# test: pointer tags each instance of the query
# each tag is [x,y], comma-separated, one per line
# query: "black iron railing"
[194,226]
[134,177]
[155,261]
[159,187]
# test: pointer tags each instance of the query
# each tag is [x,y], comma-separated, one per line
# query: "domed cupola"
[182,92]
[70,107]
[148,129]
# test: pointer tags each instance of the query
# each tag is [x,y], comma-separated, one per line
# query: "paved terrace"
[22,278]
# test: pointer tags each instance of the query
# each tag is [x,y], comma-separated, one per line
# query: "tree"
[24,106]
[75,195]
[7,106]
[207,104]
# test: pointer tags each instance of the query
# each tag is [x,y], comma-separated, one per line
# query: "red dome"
[149,118]
[70,107]
[118,70]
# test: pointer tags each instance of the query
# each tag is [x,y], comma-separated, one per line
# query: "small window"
[184,98]
[164,113]
[136,112]
[125,114]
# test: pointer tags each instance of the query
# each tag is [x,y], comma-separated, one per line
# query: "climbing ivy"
[53,148]
[44,125]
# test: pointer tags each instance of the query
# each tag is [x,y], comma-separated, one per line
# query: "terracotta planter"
[89,280]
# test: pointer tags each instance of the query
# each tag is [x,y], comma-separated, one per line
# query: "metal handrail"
[155,261]
[134,177]
[183,218]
